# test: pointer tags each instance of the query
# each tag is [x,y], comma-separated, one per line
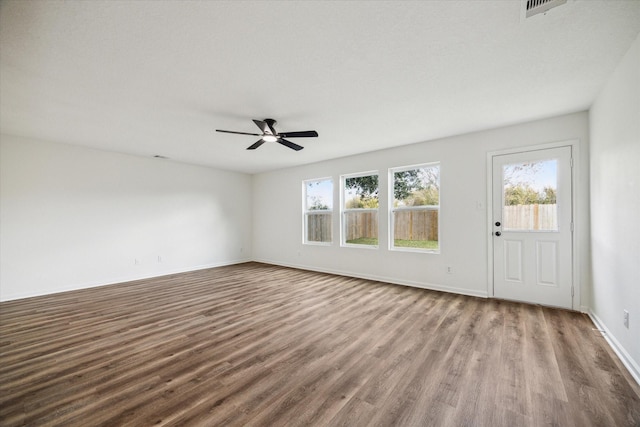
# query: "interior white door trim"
[575,173]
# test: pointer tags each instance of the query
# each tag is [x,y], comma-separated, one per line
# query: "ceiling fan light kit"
[269,134]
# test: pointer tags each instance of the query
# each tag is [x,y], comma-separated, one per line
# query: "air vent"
[534,7]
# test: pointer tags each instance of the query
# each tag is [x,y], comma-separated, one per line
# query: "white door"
[532,227]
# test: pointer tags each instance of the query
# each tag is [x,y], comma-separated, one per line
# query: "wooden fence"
[409,225]
[415,225]
[361,225]
[423,224]
[530,217]
[319,227]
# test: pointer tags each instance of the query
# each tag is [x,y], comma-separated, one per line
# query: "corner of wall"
[614,187]
[626,359]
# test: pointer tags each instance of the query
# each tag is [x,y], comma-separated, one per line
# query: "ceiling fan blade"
[303,134]
[256,144]
[263,127]
[290,144]
[271,123]
[239,133]
[267,126]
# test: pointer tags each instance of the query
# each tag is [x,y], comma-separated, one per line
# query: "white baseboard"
[631,365]
[122,279]
[395,281]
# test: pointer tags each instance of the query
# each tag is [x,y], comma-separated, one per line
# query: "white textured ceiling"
[158,77]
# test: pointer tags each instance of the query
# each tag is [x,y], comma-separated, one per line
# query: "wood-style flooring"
[262,345]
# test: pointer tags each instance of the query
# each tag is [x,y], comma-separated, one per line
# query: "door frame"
[575,276]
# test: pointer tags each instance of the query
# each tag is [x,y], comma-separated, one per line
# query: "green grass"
[418,244]
[364,241]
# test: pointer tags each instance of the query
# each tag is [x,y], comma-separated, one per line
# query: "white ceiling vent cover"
[534,7]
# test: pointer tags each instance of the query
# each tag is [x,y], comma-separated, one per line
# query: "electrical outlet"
[136,261]
[449,269]
[626,318]
[159,258]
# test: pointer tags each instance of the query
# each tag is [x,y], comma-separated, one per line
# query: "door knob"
[497,223]
[498,233]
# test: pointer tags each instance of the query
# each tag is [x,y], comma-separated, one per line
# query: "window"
[318,210]
[529,196]
[360,210]
[415,208]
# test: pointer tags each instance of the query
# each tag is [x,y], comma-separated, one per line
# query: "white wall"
[277,201]
[615,207]
[74,217]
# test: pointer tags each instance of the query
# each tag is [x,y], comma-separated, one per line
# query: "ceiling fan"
[269,134]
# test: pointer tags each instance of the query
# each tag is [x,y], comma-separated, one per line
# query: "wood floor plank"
[539,357]
[263,345]
[581,354]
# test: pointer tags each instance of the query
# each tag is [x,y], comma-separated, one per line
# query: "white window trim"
[393,210]
[343,210]
[306,212]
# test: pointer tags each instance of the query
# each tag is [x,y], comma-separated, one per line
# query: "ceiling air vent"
[534,7]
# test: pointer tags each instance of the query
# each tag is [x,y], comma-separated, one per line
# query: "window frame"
[344,210]
[393,209]
[306,212]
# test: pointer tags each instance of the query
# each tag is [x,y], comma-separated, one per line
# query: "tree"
[424,197]
[366,189]
[414,187]
[520,195]
[365,186]
[521,174]
[526,195]
[417,187]
[405,183]
[362,203]
[549,197]
[319,195]
[317,204]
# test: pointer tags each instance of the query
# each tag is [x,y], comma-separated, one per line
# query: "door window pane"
[529,196]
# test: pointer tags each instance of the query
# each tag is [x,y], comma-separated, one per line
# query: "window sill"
[415,250]
[348,245]
[318,243]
